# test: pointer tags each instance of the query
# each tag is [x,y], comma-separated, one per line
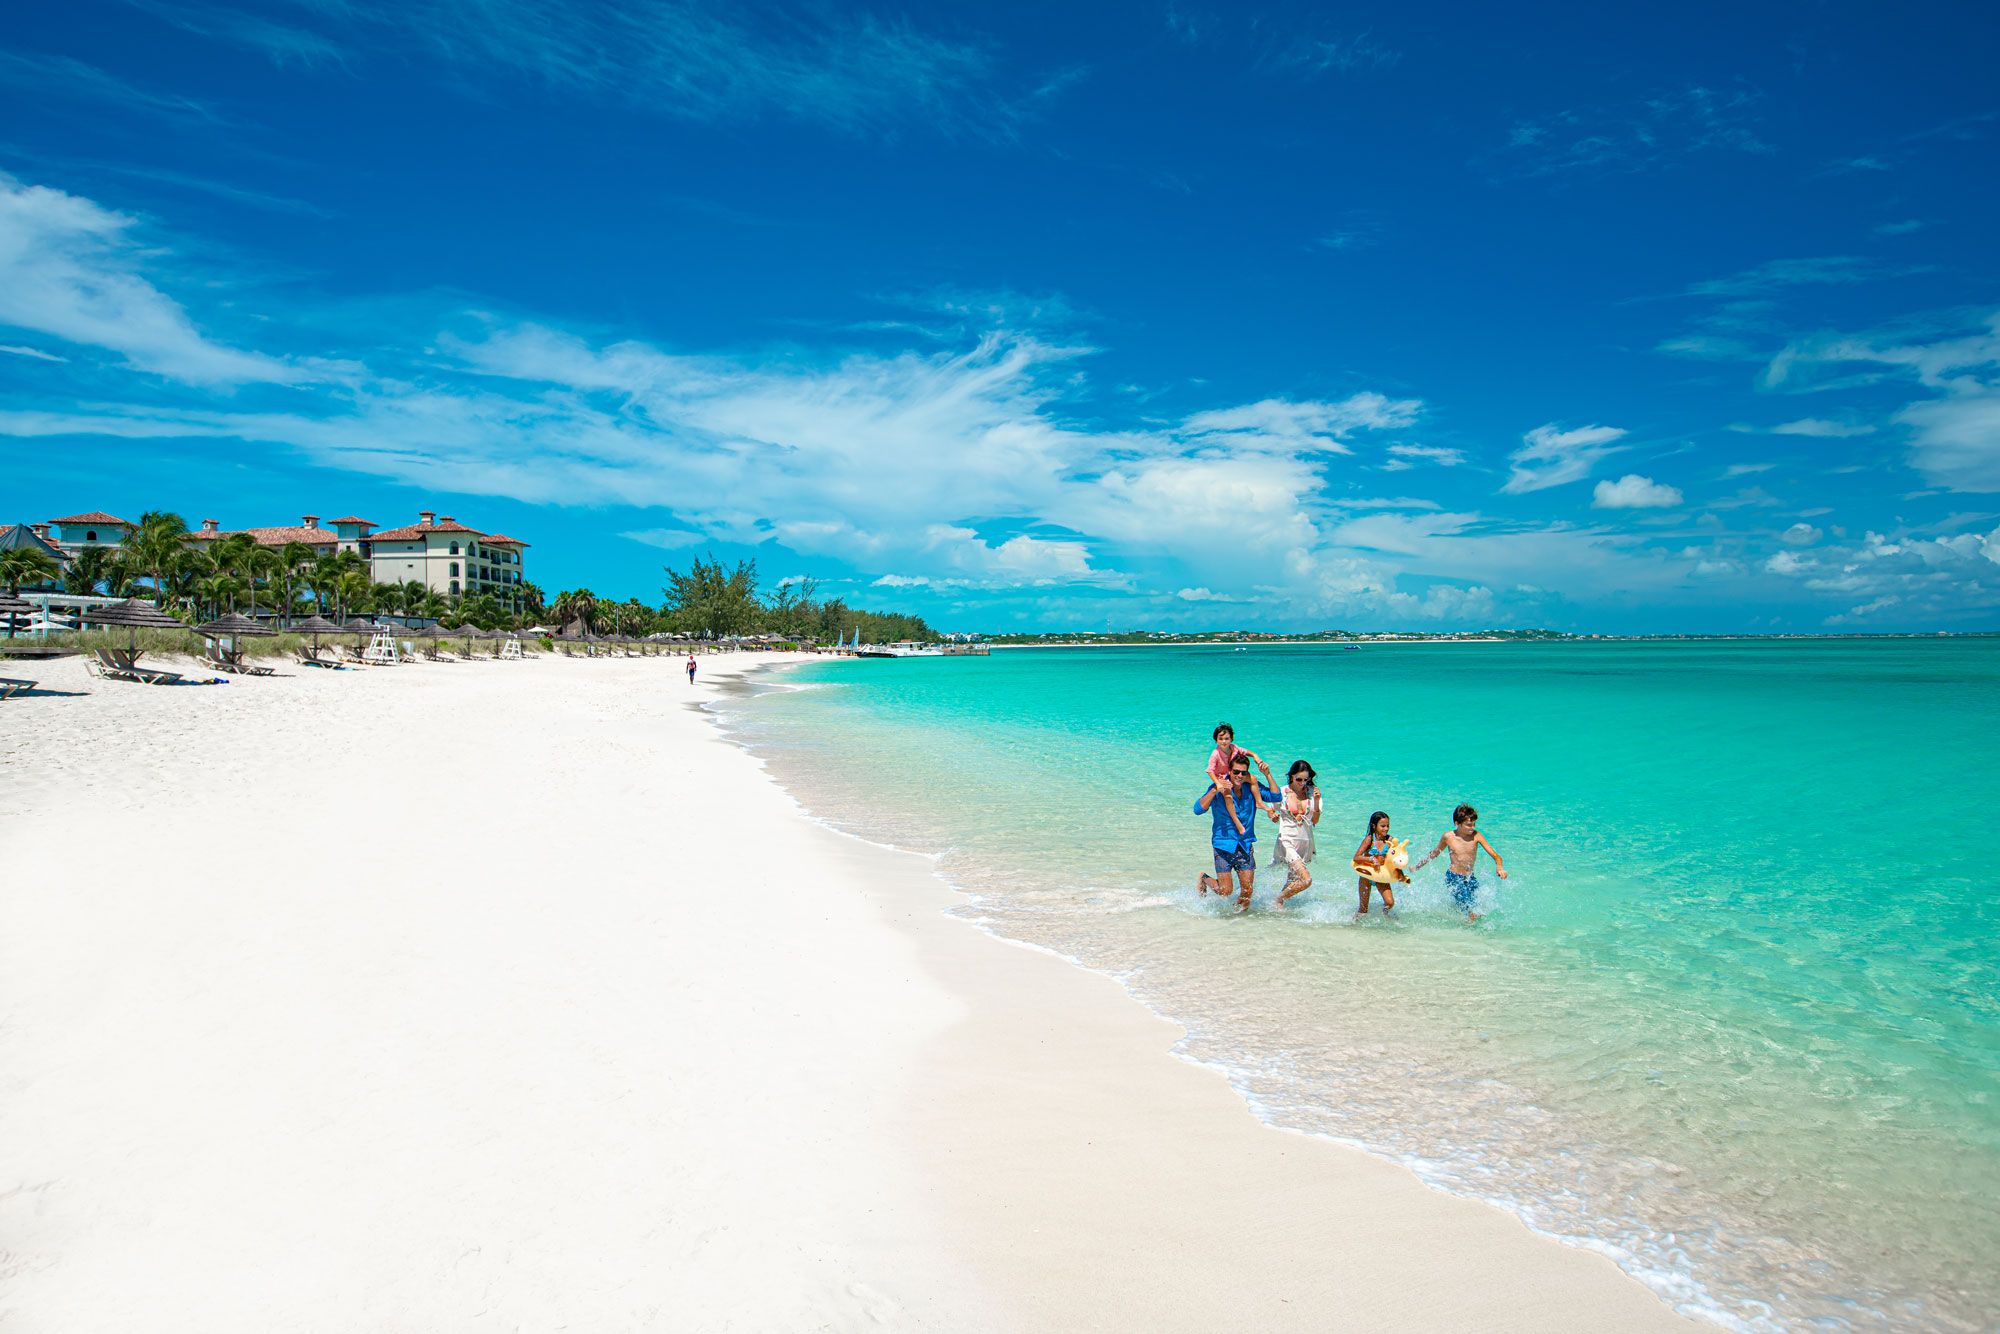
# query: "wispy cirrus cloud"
[1639,135]
[283,43]
[69,269]
[67,79]
[1779,274]
[1403,457]
[1954,435]
[1552,456]
[858,73]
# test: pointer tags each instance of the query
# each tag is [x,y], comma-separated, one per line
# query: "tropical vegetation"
[160,559]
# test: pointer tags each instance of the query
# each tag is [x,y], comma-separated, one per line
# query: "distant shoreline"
[1491,639]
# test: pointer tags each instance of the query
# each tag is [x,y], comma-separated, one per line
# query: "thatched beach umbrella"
[231,626]
[470,633]
[316,626]
[135,616]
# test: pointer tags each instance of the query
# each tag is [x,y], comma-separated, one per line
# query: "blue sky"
[1031,315]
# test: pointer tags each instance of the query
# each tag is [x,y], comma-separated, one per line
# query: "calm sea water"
[1735,1018]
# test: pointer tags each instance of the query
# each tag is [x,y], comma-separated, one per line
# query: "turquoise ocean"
[1734,1020]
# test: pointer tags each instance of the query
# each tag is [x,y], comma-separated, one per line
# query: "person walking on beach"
[690,669]
[1463,841]
[1225,753]
[1296,815]
[1232,803]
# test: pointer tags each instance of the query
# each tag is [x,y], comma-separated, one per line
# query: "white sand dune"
[508,996]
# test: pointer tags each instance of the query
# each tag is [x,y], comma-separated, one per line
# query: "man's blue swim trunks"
[1462,888]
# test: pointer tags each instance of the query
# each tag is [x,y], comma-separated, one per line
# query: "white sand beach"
[510,996]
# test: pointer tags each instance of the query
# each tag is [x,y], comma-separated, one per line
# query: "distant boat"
[902,648]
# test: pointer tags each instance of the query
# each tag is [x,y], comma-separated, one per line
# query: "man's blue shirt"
[1225,836]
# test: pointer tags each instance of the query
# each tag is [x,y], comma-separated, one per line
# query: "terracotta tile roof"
[277,537]
[416,531]
[497,540]
[351,519]
[95,516]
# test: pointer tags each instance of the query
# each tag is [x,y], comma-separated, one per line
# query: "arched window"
[90,535]
[454,588]
[454,550]
[454,569]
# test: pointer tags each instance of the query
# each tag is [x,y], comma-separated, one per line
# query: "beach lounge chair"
[11,686]
[307,658]
[123,665]
[215,656]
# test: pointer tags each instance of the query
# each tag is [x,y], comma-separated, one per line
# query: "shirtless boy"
[1463,841]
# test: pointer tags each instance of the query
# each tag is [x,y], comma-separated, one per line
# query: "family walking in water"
[1234,799]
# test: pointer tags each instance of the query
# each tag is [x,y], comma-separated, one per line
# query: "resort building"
[439,552]
[323,541]
[74,533]
[445,555]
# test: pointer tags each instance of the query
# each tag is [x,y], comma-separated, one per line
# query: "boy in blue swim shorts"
[1463,841]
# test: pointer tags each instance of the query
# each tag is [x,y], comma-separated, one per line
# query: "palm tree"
[431,606]
[231,555]
[217,589]
[184,570]
[264,564]
[90,567]
[156,545]
[532,599]
[322,576]
[25,565]
[352,589]
[293,557]
[576,604]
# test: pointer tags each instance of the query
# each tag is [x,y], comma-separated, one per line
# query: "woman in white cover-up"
[1296,817]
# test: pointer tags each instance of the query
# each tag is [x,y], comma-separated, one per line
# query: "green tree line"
[161,560]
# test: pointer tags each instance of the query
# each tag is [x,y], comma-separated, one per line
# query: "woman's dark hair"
[1220,728]
[1379,815]
[1297,765]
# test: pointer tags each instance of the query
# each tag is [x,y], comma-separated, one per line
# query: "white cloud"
[1633,492]
[68,269]
[1788,562]
[1402,457]
[1820,428]
[1204,595]
[1955,440]
[1801,535]
[1276,423]
[34,353]
[667,539]
[1552,456]
[1954,436]
[1745,469]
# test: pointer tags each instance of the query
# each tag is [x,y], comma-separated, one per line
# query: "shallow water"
[1735,1018]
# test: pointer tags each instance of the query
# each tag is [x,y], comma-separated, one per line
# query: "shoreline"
[1146,1035]
[450,1072]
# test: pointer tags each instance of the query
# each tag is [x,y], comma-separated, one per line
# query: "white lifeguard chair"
[381,650]
[511,650]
